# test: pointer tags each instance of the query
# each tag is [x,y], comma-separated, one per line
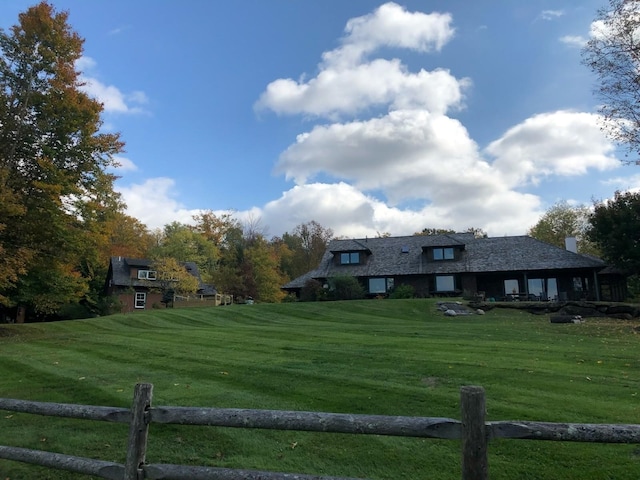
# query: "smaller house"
[136,285]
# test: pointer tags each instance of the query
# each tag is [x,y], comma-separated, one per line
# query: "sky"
[367,117]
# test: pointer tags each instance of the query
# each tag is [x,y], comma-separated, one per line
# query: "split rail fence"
[473,431]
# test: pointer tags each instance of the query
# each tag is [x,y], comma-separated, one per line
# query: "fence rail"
[473,430]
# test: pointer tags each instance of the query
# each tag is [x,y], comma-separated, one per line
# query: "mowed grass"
[390,357]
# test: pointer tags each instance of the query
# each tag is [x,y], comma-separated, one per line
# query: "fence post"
[138,432]
[474,436]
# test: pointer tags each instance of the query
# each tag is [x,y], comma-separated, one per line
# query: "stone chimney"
[571,244]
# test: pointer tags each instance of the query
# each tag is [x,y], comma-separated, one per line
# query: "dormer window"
[443,253]
[146,275]
[350,258]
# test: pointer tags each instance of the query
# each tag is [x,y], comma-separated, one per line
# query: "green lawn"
[390,357]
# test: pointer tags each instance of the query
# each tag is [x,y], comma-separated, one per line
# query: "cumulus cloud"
[154,203]
[113,99]
[415,153]
[347,82]
[390,25]
[560,143]
[351,213]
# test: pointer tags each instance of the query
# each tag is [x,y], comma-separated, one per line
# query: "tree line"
[61,219]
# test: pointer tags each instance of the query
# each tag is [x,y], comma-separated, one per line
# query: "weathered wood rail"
[474,432]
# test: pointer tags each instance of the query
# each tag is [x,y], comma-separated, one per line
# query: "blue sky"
[365,116]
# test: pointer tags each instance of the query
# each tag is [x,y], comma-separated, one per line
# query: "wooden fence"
[474,432]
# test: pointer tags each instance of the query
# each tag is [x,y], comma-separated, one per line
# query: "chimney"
[571,244]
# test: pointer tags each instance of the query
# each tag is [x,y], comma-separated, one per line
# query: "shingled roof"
[394,256]
[120,274]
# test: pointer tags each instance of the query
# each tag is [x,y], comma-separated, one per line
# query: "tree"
[186,244]
[262,274]
[307,244]
[615,228]
[172,275]
[52,162]
[562,220]
[613,54]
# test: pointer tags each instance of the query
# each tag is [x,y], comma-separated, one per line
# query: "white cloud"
[154,203]
[623,184]
[348,84]
[390,25]
[124,164]
[351,213]
[113,99]
[574,40]
[551,14]
[407,153]
[560,143]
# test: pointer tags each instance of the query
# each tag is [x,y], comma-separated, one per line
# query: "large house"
[134,282]
[500,268]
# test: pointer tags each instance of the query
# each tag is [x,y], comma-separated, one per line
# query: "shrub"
[346,288]
[312,291]
[403,291]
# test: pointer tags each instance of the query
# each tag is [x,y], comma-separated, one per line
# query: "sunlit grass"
[391,357]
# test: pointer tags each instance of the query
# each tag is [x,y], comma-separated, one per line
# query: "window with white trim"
[445,283]
[141,300]
[146,275]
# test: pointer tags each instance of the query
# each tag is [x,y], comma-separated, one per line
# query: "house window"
[380,285]
[349,258]
[146,275]
[511,286]
[445,253]
[445,283]
[141,300]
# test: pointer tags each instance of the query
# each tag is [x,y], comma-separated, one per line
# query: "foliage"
[615,228]
[185,244]
[477,232]
[612,53]
[380,358]
[434,231]
[306,244]
[403,291]
[345,288]
[312,291]
[172,275]
[261,272]
[54,189]
[561,221]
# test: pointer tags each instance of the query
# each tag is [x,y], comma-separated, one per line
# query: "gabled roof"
[395,256]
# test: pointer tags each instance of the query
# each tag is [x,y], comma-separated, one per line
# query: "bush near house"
[345,288]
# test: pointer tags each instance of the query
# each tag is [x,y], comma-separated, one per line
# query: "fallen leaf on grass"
[294,445]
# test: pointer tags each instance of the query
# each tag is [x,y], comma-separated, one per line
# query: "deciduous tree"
[613,54]
[615,228]
[52,159]
[562,220]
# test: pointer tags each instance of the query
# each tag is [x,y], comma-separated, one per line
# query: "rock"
[480,311]
[451,313]
[565,319]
